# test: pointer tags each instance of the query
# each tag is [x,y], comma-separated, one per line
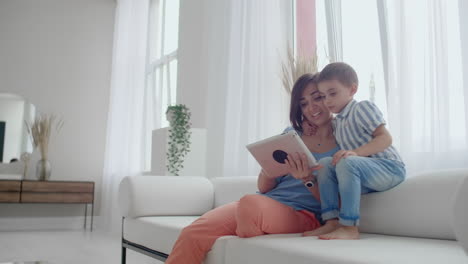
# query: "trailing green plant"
[296,66]
[179,137]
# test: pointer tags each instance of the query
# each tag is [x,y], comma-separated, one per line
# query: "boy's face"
[336,95]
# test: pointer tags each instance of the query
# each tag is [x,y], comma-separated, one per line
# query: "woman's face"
[312,106]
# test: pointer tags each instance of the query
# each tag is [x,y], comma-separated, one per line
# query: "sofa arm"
[230,189]
[421,206]
[460,215]
[165,195]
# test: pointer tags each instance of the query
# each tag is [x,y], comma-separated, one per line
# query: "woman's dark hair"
[295,112]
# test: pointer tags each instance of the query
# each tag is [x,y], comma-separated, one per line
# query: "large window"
[408,56]
[355,40]
[161,70]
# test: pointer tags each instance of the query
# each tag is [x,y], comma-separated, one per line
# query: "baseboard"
[45,223]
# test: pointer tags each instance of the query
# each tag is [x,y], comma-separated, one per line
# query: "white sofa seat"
[158,233]
[411,223]
[371,248]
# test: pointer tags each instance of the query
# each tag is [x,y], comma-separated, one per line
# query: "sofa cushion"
[421,206]
[158,233]
[371,248]
[217,253]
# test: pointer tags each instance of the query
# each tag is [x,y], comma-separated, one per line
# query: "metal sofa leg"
[124,249]
[124,255]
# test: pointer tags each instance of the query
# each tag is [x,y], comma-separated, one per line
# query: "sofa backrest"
[165,195]
[421,206]
[460,214]
[230,189]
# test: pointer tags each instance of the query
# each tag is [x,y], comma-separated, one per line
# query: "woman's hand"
[342,154]
[308,129]
[263,173]
[299,166]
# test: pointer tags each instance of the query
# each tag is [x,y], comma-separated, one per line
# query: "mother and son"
[355,156]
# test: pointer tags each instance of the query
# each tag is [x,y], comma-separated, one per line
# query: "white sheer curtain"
[334,29]
[125,127]
[256,104]
[426,95]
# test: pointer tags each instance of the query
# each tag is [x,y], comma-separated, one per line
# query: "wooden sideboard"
[68,192]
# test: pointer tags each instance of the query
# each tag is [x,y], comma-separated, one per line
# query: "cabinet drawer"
[9,197]
[34,197]
[10,186]
[61,187]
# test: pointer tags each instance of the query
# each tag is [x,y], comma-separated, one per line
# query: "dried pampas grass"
[296,66]
[40,131]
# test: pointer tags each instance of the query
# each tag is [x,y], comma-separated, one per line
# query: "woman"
[284,204]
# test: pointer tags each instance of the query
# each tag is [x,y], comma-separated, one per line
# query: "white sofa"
[411,223]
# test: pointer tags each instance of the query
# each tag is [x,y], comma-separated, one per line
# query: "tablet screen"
[272,152]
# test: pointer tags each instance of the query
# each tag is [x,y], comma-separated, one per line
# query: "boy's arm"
[380,141]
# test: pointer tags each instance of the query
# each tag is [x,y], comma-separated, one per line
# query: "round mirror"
[15,111]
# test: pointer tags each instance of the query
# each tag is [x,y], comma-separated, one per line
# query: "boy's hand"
[308,129]
[299,166]
[342,154]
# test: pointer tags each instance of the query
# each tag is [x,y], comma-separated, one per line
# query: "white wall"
[203,49]
[204,38]
[57,54]
[191,71]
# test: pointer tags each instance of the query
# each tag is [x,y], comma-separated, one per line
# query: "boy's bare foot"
[328,227]
[343,232]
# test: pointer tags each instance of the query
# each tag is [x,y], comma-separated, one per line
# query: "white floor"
[66,247]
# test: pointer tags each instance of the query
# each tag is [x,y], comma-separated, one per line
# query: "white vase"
[43,170]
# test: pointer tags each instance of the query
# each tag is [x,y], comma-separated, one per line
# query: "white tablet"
[272,152]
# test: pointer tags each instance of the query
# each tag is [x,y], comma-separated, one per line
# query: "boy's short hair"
[339,71]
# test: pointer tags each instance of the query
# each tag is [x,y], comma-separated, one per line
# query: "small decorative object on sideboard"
[40,131]
[179,136]
[25,157]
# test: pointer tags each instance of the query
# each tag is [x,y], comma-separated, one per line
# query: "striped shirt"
[355,124]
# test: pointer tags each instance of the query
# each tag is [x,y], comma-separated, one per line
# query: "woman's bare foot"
[343,232]
[328,227]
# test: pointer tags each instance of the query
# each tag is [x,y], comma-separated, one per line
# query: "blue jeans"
[350,178]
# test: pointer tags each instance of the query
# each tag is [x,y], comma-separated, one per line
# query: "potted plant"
[293,68]
[40,130]
[179,137]
[296,66]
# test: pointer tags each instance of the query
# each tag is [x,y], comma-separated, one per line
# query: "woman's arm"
[265,183]
[299,169]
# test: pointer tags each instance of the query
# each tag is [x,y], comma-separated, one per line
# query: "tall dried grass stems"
[40,131]
[295,66]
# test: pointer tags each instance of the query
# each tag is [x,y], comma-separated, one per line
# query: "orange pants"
[253,215]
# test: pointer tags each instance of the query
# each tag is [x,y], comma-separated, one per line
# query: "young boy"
[367,161]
